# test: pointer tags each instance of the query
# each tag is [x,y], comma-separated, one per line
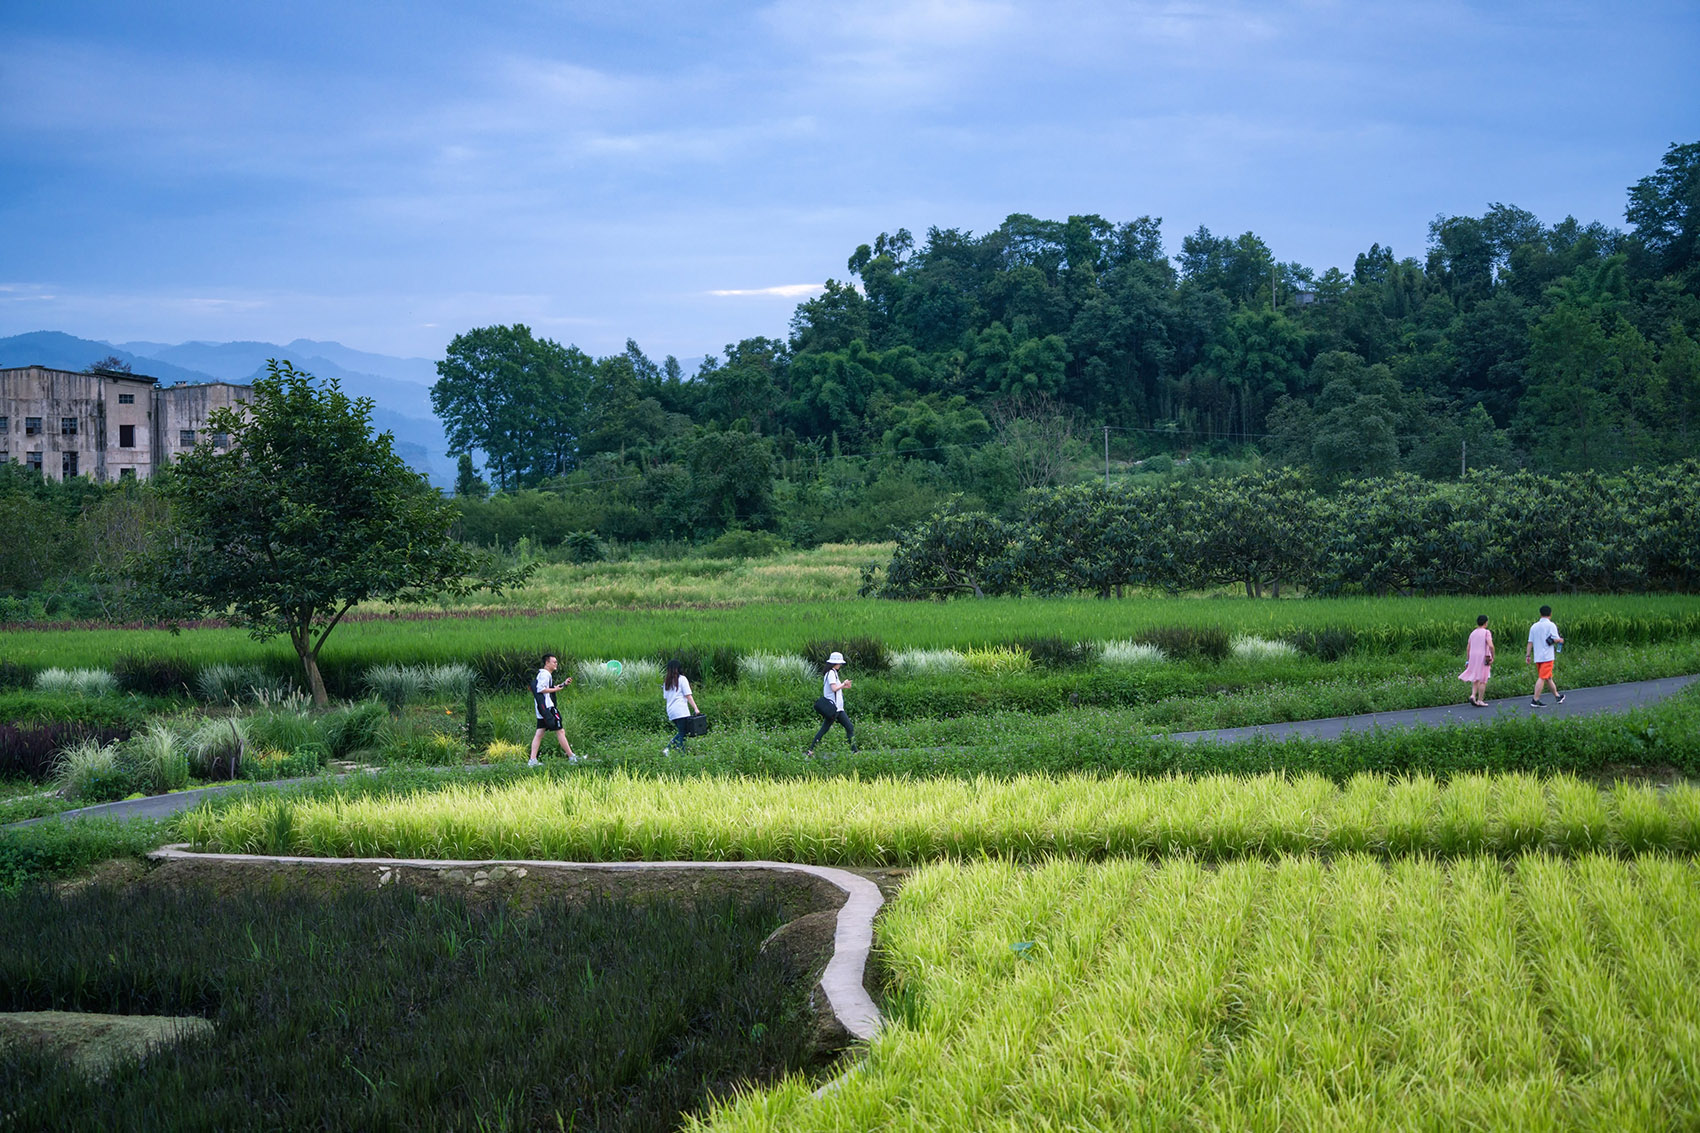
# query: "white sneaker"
[665,750]
[534,762]
[573,759]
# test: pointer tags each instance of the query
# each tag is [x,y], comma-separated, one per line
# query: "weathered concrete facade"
[107,425]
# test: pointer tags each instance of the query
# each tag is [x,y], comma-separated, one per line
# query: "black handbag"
[694,725]
[827,707]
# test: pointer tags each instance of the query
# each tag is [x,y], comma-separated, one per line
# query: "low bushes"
[153,675]
[1189,643]
[33,854]
[83,682]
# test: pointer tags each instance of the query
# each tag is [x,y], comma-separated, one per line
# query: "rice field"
[775,627]
[851,821]
[1352,994]
[831,571]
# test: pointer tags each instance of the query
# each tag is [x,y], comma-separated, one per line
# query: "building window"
[33,460]
[68,465]
[5,425]
[32,426]
[220,440]
[126,399]
[126,473]
[186,438]
[67,426]
[126,436]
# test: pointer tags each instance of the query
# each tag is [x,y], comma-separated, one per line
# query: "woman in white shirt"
[676,692]
[832,693]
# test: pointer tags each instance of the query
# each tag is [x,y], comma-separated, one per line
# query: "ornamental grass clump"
[91,772]
[222,683]
[215,748]
[1247,647]
[157,759]
[449,683]
[359,727]
[774,670]
[80,682]
[918,662]
[397,685]
[997,660]
[1130,653]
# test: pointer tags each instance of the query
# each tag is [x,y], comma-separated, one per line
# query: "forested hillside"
[987,364]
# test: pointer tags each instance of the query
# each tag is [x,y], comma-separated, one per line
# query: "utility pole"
[1106,458]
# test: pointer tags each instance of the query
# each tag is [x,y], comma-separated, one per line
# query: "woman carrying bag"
[681,706]
[831,703]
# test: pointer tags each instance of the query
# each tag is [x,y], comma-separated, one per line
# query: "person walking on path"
[681,705]
[548,716]
[1479,662]
[831,703]
[1544,640]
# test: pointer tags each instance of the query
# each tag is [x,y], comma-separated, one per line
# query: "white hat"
[837,658]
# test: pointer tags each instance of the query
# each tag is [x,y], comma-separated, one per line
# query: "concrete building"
[109,425]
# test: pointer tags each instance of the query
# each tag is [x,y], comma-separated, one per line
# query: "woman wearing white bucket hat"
[831,703]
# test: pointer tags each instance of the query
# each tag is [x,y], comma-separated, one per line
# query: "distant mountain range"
[400,388]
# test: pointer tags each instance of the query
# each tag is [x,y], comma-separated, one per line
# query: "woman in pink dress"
[1480,666]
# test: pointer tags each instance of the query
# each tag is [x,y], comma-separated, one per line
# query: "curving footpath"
[1577,702]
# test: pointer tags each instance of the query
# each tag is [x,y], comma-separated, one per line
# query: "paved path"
[1577,702]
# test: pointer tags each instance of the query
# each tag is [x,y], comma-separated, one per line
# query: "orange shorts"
[1543,670]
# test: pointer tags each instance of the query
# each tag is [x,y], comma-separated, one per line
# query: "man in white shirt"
[1544,641]
[548,716]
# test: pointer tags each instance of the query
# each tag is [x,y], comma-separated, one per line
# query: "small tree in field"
[305,514]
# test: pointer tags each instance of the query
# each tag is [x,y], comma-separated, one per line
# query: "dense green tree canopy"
[304,515]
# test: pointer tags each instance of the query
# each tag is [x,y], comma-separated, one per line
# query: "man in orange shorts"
[1544,641]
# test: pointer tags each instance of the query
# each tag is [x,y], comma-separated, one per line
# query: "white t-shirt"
[826,689]
[545,679]
[1539,650]
[677,704]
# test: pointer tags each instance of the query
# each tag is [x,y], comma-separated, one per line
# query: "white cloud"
[783,291]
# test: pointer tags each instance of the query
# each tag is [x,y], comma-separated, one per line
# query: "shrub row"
[33,751]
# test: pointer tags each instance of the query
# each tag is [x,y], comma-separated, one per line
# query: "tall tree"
[1664,207]
[517,399]
[306,514]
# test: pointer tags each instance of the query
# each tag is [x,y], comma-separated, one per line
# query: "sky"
[388,175]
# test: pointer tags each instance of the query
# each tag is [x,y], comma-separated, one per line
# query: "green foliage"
[90,772]
[47,850]
[1327,643]
[304,515]
[1054,651]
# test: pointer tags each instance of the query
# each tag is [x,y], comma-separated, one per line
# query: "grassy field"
[1297,994]
[785,627]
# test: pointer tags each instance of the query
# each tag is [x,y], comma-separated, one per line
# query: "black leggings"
[826,726]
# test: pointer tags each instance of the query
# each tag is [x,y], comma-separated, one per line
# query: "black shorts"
[550,721]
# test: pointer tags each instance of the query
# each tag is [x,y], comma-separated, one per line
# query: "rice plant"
[1247,647]
[82,682]
[158,758]
[775,670]
[397,685]
[1130,653]
[916,662]
[91,772]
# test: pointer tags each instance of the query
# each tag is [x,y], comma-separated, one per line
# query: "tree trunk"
[310,666]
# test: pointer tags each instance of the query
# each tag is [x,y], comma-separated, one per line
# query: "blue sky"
[389,174]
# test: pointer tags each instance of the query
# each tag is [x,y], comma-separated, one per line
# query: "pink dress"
[1481,644]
